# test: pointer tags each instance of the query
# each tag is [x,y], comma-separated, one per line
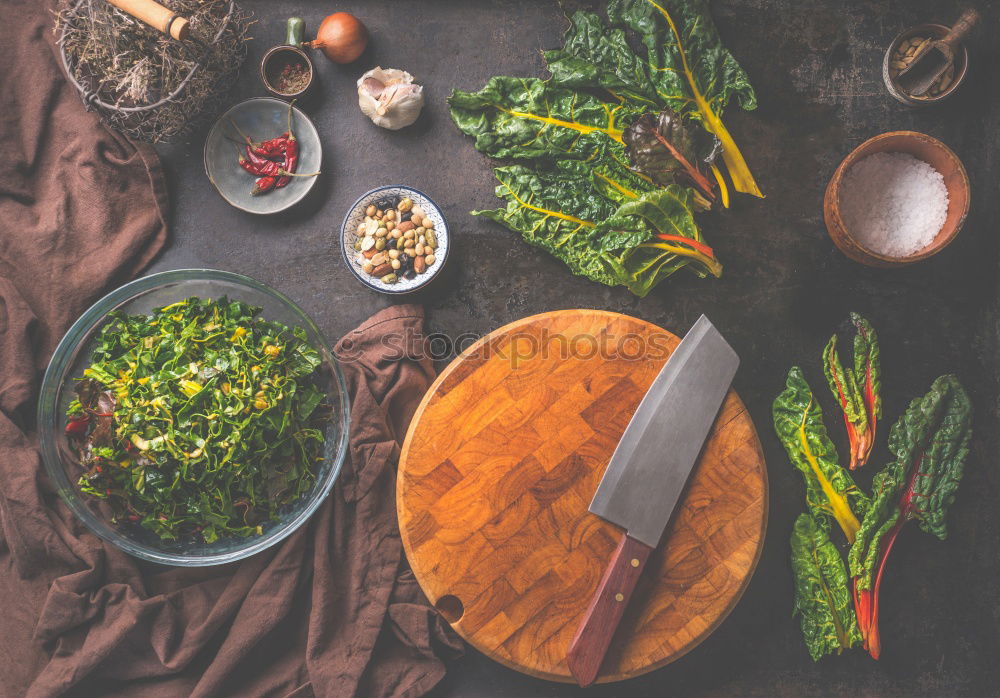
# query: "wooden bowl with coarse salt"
[842,219]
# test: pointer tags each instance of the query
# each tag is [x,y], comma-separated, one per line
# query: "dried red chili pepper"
[291,152]
[271,149]
[291,162]
[260,167]
[264,185]
[256,159]
[249,166]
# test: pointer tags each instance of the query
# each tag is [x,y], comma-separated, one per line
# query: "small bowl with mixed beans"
[394,239]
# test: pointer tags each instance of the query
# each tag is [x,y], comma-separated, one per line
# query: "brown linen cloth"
[331,611]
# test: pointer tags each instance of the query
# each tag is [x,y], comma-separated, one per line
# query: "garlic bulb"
[389,98]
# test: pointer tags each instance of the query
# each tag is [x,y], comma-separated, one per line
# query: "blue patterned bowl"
[354,259]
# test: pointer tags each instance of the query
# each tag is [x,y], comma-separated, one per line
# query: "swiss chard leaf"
[593,55]
[844,387]
[552,123]
[868,368]
[690,69]
[561,211]
[830,490]
[843,384]
[670,149]
[613,178]
[822,598]
[930,443]
[670,212]
[857,390]
[528,118]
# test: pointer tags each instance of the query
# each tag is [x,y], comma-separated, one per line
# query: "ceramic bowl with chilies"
[394,239]
[260,118]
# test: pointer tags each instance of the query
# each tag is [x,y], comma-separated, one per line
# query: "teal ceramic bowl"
[260,118]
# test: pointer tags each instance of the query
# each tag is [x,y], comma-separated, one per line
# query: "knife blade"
[646,476]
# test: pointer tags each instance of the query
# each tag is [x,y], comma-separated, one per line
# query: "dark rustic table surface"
[816,67]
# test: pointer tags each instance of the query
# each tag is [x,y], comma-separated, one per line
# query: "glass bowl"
[73,355]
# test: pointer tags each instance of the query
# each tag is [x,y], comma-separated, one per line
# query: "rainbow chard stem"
[857,390]
[930,443]
[844,387]
[868,374]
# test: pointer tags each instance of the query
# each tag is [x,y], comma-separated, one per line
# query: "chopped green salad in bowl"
[193,417]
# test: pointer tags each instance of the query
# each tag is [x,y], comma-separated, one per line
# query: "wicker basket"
[148,122]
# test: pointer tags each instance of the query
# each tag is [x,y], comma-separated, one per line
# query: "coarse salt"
[893,203]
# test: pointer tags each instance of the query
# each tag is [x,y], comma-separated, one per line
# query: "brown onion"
[342,37]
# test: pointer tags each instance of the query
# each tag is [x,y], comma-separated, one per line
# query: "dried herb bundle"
[144,83]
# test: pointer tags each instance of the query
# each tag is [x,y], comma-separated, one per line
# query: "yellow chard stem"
[838,502]
[711,264]
[610,130]
[739,171]
[723,189]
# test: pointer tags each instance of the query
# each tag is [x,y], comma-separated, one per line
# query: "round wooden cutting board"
[499,466]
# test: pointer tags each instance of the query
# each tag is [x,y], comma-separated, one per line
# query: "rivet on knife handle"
[593,637]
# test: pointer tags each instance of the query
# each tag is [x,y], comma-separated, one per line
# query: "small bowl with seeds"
[905,48]
[394,239]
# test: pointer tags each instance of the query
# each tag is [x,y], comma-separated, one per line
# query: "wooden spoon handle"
[157,16]
[961,27]
[593,637]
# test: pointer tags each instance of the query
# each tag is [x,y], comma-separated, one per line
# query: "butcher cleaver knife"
[646,476]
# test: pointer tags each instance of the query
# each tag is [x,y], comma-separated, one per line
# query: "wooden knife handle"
[593,637]
[157,16]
